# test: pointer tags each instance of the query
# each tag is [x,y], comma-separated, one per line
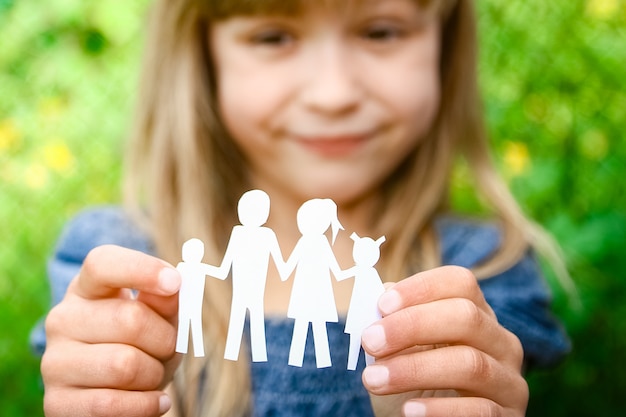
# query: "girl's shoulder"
[88,229]
[519,296]
[467,242]
[101,225]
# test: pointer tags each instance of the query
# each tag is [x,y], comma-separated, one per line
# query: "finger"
[166,307]
[435,284]
[451,406]
[104,402]
[461,368]
[448,321]
[109,268]
[113,321]
[102,366]
[388,285]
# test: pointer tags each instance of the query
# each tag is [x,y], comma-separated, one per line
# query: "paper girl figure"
[312,299]
[193,275]
[248,252]
[368,288]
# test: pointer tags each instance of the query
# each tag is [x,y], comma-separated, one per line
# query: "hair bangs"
[224,9]
[438,6]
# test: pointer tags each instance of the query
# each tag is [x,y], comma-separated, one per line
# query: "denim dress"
[519,297]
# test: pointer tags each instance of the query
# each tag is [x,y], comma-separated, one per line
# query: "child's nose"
[332,86]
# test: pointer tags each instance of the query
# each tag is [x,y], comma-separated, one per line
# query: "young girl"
[365,102]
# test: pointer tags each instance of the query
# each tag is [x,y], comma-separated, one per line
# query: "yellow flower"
[602,9]
[594,145]
[516,158]
[9,135]
[8,172]
[36,176]
[51,107]
[58,157]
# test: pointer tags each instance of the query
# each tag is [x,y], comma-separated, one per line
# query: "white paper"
[193,274]
[312,299]
[368,287]
[312,302]
[247,256]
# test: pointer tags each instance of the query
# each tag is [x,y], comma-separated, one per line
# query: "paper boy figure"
[248,252]
[193,274]
[367,289]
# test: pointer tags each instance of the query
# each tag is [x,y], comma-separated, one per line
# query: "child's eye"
[382,32]
[272,37]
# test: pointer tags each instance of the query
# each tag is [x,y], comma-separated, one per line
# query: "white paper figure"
[248,253]
[368,288]
[312,299]
[193,275]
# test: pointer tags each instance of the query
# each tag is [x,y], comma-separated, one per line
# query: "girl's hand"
[438,336]
[110,353]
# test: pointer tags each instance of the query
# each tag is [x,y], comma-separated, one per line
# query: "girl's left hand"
[439,334]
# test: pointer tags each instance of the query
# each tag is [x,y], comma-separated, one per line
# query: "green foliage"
[552,76]
[66,76]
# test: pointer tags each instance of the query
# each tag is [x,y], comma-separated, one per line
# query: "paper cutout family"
[312,301]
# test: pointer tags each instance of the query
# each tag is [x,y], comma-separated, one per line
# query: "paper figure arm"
[277,256]
[221,272]
[215,271]
[290,265]
[340,275]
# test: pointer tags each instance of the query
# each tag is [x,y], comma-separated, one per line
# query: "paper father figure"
[247,254]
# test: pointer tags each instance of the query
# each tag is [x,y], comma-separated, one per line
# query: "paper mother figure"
[312,300]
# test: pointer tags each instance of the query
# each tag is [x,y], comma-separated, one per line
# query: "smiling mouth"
[333,146]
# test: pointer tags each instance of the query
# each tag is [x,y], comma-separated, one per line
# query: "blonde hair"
[182,179]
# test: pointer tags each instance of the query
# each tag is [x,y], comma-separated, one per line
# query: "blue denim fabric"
[519,297]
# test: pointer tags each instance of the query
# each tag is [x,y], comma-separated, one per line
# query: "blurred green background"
[554,79]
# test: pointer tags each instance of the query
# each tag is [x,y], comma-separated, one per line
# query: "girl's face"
[328,102]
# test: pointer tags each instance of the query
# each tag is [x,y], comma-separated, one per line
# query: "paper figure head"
[254,208]
[366,251]
[317,215]
[193,250]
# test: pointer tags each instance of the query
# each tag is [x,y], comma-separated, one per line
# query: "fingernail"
[169,280]
[164,404]
[414,409]
[389,302]
[376,376]
[374,338]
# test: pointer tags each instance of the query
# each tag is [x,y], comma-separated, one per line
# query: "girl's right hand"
[110,352]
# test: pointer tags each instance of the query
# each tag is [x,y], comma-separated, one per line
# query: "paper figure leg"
[235,332]
[182,339]
[196,337]
[257,335]
[369,359]
[298,342]
[322,351]
[355,349]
